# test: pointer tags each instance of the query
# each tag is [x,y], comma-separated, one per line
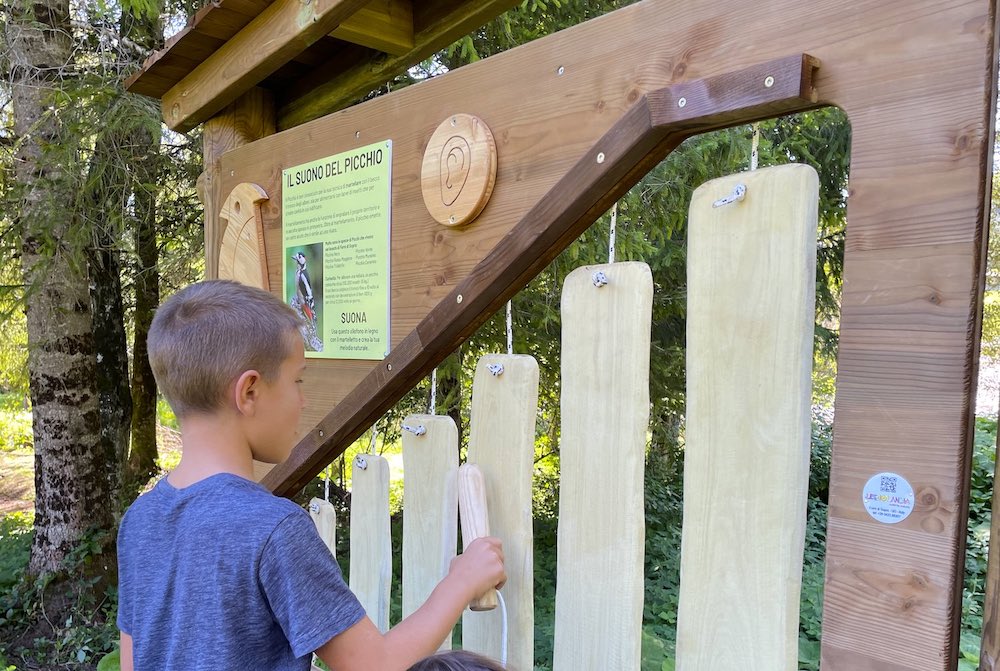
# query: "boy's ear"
[247,392]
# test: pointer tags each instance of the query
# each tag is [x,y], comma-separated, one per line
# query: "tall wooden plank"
[751,295]
[606,313]
[371,541]
[502,444]
[430,506]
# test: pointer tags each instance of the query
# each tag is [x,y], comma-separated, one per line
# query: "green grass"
[15,425]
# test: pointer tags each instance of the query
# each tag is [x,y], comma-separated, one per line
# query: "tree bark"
[142,458]
[72,494]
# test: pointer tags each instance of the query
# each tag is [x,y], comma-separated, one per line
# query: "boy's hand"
[480,567]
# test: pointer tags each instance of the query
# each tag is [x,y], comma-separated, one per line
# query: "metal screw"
[458,298]
[682,102]
[451,219]
[321,433]
[232,173]
[357,133]
[768,81]
[561,71]
[454,121]
[361,462]
[600,157]
[388,366]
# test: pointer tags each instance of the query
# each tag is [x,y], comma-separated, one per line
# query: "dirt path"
[17,482]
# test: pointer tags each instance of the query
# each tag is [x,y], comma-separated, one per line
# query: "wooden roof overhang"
[314,56]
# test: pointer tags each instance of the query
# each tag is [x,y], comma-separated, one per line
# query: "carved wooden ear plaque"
[459,170]
[241,255]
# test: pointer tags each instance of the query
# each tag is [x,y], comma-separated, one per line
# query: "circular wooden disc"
[459,170]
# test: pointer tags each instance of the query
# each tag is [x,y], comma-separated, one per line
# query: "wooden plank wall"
[917,80]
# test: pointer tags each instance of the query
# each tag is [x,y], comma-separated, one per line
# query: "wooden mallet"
[475,521]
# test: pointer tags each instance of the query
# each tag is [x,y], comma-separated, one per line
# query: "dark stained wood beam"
[647,132]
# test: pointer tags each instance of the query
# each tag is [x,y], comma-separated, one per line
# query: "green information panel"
[336,215]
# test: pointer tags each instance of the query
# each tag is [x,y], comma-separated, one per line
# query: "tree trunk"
[142,459]
[115,399]
[72,495]
[147,32]
[105,198]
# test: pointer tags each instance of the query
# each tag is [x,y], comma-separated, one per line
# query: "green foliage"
[15,545]
[978,530]
[15,424]
[66,618]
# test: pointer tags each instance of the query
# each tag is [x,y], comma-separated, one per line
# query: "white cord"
[434,389]
[510,328]
[503,629]
[613,233]
[754,145]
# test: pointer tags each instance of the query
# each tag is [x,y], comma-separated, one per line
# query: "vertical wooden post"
[249,118]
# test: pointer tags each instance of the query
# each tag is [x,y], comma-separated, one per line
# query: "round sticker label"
[888,497]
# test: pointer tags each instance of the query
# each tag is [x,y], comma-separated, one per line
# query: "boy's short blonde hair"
[208,334]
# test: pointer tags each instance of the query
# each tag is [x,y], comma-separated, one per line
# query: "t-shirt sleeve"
[125,569]
[304,586]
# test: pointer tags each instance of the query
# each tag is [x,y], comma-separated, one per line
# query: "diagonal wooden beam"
[383,25]
[278,33]
[318,94]
[647,132]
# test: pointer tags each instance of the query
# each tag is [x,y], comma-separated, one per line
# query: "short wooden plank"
[371,542]
[605,416]
[324,516]
[273,38]
[430,507]
[502,445]
[751,295]
[385,25]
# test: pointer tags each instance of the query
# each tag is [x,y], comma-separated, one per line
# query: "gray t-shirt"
[224,575]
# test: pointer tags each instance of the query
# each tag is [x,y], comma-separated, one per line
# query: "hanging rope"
[613,233]
[754,145]
[434,389]
[326,484]
[510,328]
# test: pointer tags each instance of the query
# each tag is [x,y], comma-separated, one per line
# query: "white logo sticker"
[888,497]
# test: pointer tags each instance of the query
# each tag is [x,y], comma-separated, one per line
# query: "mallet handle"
[475,520]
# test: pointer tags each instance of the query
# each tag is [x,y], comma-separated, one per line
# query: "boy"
[214,571]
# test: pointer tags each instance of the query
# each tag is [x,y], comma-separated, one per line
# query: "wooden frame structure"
[917,79]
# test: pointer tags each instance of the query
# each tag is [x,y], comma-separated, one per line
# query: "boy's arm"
[363,647]
[125,663]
